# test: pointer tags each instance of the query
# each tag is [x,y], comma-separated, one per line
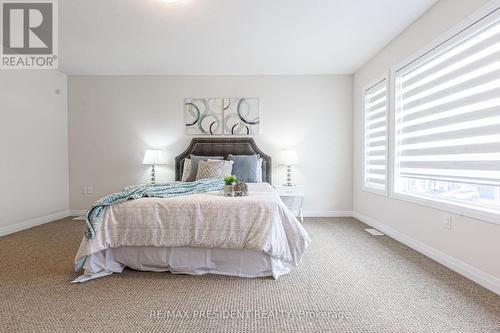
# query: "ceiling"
[227,37]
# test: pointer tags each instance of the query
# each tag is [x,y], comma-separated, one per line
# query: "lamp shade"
[154,157]
[288,157]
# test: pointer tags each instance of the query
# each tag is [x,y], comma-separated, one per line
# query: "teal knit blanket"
[168,190]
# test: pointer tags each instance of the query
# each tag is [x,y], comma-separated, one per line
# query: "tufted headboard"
[222,147]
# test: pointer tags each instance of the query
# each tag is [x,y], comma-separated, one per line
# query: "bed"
[251,236]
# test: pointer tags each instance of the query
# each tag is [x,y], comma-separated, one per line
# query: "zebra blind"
[375,130]
[447,118]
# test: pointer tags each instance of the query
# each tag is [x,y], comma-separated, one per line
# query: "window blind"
[447,124]
[375,107]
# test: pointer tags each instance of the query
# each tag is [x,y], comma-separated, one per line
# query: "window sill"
[486,215]
[375,190]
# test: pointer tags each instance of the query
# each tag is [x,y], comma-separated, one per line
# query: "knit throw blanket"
[168,190]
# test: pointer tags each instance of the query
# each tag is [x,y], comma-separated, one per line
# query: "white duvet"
[259,222]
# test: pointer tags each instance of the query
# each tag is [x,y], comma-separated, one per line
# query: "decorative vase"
[228,190]
[240,189]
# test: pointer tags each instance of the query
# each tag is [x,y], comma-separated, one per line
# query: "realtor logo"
[29,34]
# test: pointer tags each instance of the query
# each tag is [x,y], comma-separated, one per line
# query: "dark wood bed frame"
[222,147]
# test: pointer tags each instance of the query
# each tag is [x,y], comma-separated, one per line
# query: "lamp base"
[289,176]
[153,180]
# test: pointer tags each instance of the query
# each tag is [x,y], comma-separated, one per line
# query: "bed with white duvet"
[250,236]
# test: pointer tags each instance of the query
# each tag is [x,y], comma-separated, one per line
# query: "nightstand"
[293,197]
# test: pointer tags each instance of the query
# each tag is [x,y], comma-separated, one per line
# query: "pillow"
[259,171]
[186,170]
[209,169]
[194,165]
[228,168]
[245,167]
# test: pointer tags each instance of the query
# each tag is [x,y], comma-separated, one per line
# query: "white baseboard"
[76,212]
[484,279]
[9,229]
[327,213]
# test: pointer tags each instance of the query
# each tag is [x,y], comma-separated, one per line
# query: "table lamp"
[153,157]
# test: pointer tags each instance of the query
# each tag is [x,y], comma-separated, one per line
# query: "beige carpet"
[348,281]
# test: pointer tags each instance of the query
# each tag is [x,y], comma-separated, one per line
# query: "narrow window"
[375,137]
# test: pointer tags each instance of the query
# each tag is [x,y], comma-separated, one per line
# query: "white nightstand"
[293,197]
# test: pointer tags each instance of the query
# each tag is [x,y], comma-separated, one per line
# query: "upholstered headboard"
[211,146]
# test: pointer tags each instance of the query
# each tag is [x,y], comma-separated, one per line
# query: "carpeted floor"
[348,281]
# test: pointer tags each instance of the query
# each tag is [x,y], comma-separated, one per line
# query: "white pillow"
[228,168]
[186,170]
[258,177]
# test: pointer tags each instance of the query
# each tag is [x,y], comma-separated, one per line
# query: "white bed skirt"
[183,260]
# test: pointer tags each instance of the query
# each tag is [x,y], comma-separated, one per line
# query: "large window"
[447,121]
[375,139]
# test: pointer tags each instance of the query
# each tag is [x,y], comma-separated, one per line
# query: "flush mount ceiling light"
[172,1]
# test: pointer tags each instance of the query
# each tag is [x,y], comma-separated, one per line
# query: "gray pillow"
[194,164]
[244,167]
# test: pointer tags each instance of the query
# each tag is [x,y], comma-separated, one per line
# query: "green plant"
[230,180]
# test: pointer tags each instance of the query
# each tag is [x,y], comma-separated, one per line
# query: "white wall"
[34,148]
[471,244]
[113,119]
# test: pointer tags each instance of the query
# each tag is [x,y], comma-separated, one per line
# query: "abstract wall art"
[241,116]
[203,116]
[216,116]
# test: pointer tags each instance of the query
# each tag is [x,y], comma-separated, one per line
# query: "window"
[375,137]
[447,121]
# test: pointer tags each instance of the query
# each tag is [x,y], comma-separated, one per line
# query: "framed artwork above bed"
[241,116]
[217,116]
[203,116]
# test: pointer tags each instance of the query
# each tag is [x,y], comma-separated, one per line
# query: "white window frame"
[436,203]
[365,187]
